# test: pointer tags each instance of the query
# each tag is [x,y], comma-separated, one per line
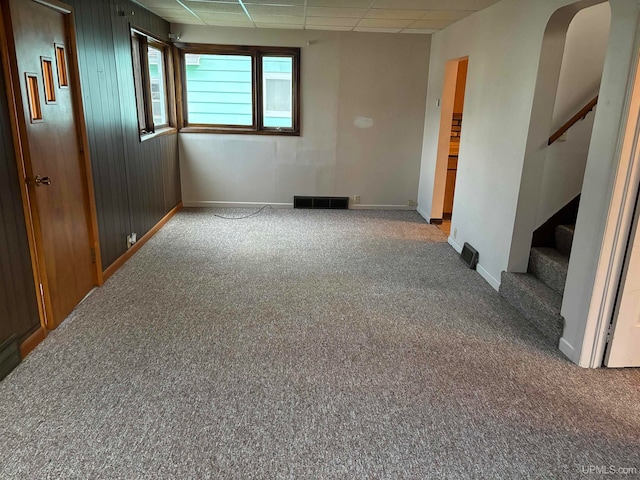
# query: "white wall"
[580,75]
[599,216]
[503,43]
[345,75]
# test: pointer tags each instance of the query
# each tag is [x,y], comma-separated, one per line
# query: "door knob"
[42,181]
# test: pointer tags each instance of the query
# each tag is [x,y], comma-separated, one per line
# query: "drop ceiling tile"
[222,23]
[280,26]
[336,12]
[434,4]
[384,23]
[278,19]
[332,21]
[377,30]
[431,24]
[395,14]
[152,4]
[275,10]
[339,3]
[328,27]
[224,17]
[418,31]
[446,14]
[274,2]
[219,7]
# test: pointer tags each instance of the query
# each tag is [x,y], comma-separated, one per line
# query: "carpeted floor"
[307,345]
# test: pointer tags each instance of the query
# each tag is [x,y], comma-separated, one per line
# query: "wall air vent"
[333,203]
[469,255]
[9,356]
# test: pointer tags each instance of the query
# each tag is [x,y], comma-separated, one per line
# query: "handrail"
[578,116]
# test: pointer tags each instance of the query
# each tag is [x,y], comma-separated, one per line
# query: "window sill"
[161,132]
[237,131]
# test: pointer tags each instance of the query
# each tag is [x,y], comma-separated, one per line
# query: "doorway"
[51,148]
[451,119]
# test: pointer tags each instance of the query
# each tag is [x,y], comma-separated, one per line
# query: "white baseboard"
[220,204]
[235,204]
[423,214]
[454,244]
[566,348]
[380,207]
[491,280]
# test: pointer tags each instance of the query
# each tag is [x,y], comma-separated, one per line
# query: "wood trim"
[158,133]
[111,269]
[257,54]
[239,131]
[73,70]
[32,341]
[56,5]
[178,69]
[578,116]
[17,120]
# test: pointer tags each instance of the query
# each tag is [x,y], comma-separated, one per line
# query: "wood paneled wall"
[18,302]
[136,183]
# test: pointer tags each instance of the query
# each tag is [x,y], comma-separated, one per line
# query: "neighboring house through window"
[231,89]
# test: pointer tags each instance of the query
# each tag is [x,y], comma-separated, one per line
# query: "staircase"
[537,294]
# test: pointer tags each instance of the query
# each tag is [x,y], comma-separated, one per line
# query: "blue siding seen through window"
[219,89]
[277,78]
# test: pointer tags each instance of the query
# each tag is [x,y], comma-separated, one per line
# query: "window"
[151,72]
[241,89]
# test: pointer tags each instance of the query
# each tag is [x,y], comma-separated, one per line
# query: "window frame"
[144,101]
[257,53]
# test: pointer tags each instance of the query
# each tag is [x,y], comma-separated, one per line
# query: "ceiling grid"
[390,16]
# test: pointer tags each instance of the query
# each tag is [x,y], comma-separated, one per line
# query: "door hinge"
[80,143]
[609,331]
[93,255]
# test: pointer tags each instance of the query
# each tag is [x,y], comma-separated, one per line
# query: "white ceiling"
[391,16]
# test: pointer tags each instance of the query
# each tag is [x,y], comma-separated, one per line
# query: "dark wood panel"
[136,183]
[18,302]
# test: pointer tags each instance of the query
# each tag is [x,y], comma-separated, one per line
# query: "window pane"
[157,81]
[137,76]
[277,80]
[219,89]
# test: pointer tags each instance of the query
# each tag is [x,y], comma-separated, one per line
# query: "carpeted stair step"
[550,266]
[564,238]
[536,302]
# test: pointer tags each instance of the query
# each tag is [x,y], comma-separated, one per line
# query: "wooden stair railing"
[578,116]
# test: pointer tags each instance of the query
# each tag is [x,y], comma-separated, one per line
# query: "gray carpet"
[307,345]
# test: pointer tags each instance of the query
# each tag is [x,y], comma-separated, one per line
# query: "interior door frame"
[618,227]
[22,154]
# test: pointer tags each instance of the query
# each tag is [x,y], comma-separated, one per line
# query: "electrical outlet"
[356,199]
[131,240]
[411,203]
[455,233]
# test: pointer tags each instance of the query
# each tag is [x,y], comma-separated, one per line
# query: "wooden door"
[54,160]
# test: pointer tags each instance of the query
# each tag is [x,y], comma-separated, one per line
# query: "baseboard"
[210,204]
[455,245]
[490,279]
[111,269]
[422,213]
[381,207]
[32,341]
[567,349]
